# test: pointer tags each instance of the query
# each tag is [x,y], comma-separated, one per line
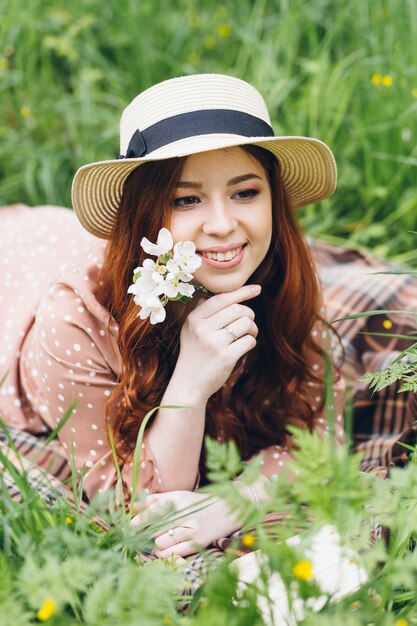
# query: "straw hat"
[190,114]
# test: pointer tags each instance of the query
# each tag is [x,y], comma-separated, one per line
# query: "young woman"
[243,359]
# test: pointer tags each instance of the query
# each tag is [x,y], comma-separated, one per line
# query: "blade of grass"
[138,448]
[355,316]
[64,419]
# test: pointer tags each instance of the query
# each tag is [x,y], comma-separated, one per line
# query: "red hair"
[268,388]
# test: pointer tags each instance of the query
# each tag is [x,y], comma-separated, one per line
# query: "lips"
[223,257]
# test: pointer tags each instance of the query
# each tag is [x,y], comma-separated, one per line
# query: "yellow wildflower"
[4,63]
[68,520]
[376,79]
[387,81]
[387,324]
[414,92]
[224,30]
[248,540]
[303,570]
[209,42]
[401,622]
[47,610]
[25,111]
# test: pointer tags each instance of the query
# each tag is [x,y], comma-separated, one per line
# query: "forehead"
[225,161]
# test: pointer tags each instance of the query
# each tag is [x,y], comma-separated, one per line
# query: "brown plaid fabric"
[353,282]
[40,463]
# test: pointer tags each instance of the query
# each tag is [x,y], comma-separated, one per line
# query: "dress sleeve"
[71,357]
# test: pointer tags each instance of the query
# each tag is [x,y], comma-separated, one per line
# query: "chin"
[222,285]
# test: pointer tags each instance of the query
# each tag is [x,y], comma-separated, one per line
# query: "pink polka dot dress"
[55,346]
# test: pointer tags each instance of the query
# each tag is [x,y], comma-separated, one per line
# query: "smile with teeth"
[222,256]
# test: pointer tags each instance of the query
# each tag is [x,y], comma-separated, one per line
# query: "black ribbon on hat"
[194,123]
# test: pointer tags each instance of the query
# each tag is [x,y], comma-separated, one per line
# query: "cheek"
[180,227]
[262,226]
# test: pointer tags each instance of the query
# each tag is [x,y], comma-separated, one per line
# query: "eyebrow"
[184,184]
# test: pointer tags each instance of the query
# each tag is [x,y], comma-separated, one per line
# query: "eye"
[185,201]
[246,194]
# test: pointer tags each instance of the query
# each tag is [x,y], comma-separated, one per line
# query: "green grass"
[68,69]
[91,575]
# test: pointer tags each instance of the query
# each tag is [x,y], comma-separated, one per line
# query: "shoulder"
[71,319]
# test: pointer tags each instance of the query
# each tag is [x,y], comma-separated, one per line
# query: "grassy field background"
[341,70]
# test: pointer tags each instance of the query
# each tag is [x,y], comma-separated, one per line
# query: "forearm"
[176,435]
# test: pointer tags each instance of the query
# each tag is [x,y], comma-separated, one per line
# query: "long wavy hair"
[268,389]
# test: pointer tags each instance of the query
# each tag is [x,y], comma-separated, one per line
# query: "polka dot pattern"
[56,342]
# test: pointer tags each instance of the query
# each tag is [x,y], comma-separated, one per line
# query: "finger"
[237,348]
[151,513]
[182,549]
[172,537]
[138,507]
[223,300]
[228,315]
[240,328]
[142,505]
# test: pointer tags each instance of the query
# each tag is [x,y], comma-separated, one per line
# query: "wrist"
[182,391]
[231,521]
[250,491]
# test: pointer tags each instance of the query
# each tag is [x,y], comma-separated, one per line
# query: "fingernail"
[255,289]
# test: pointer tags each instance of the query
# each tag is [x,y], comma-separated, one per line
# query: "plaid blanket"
[354,282]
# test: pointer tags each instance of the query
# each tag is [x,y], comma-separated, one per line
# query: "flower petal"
[172,266]
[171,290]
[148,264]
[158,315]
[165,241]
[149,247]
[188,248]
[185,289]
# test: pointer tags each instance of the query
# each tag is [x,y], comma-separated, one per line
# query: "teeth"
[222,256]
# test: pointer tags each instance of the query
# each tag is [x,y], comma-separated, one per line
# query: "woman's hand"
[210,521]
[215,335]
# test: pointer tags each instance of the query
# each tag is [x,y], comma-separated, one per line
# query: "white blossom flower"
[153,308]
[163,244]
[185,257]
[173,286]
[169,278]
[149,282]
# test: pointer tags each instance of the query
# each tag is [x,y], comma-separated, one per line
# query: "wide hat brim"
[307,166]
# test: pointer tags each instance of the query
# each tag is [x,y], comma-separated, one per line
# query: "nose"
[219,220]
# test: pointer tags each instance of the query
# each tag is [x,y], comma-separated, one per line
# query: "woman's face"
[223,204]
